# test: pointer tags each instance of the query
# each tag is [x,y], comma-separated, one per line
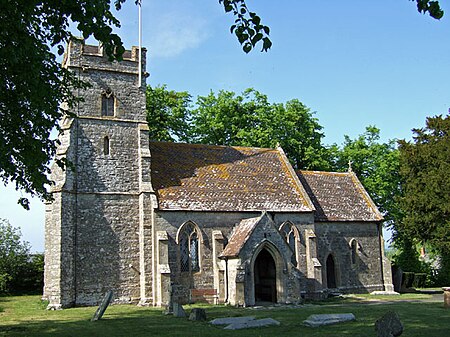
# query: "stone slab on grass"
[255,323]
[393,293]
[327,319]
[231,320]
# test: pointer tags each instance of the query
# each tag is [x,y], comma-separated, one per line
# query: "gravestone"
[254,323]
[178,310]
[327,319]
[231,320]
[197,314]
[389,325]
[103,305]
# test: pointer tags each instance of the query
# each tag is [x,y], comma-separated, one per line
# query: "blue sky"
[355,63]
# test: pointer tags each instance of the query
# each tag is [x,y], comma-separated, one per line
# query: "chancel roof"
[200,177]
[338,196]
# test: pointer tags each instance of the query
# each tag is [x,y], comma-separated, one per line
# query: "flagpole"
[140,43]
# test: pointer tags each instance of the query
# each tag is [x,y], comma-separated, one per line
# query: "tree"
[377,166]
[432,7]
[241,120]
[250,120]
[33,84]
[168,114]
[425,167]
[13,255]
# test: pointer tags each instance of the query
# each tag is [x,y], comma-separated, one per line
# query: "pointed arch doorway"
[265,275]
[331,272]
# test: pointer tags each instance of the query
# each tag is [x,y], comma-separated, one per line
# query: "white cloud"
[173,33]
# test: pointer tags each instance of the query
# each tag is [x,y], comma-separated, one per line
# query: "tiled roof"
[220,178]
[239,237]
[338,197]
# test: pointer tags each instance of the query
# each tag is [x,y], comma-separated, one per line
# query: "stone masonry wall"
[363,276]
[93,226]
[171,221]
[107,248]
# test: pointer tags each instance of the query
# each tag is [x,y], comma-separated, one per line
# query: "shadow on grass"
[420,319]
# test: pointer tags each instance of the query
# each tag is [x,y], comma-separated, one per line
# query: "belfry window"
[107,103]
[288,230]
[189,248]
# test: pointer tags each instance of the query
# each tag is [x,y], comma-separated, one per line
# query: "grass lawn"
[26,316]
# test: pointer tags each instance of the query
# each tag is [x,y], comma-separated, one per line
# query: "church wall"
[107,248]
[171,221]
[116,171]
[365,274]
[59,273]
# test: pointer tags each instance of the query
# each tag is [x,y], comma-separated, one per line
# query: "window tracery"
[188,241]
[107,103]
[288,230]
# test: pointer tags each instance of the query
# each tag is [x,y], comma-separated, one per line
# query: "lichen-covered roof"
[239,237]
[200,177]
[338,197]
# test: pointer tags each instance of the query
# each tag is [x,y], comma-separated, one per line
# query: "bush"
[20,271]
[31,276]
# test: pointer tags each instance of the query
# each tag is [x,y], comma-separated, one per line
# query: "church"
[156,222]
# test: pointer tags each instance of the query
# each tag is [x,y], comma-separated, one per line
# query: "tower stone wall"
[93,225]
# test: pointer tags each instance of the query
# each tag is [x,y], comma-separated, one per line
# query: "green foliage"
[425,167]
[250,120]
[20,271]
[238,120]
[247,26]
[13,255]
[432,7]
[377,165]
[33,83]
[31,276]
[407,257]
[168,114]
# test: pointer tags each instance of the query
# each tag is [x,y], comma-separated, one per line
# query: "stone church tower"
[89,250]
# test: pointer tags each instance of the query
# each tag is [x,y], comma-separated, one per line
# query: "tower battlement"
[112,83]
[89,57]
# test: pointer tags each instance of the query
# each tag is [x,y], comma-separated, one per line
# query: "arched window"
[289,231]
[107,103]
[354,251]
[106,145]
[188,241]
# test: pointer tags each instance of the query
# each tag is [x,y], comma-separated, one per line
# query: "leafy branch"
[247,26]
